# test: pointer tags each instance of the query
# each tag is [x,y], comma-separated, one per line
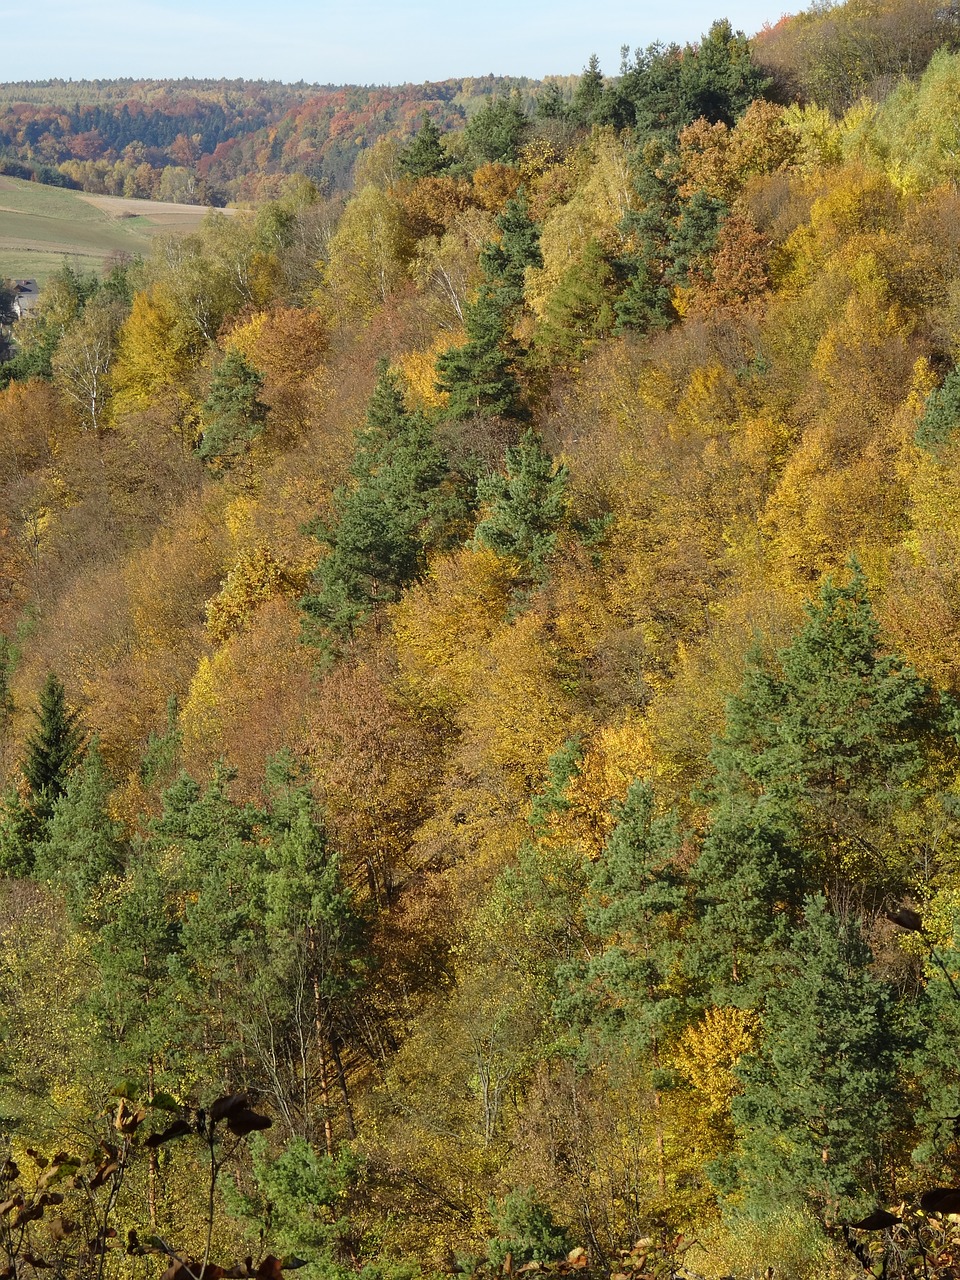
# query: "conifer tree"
[54,749]
[424,156]
[821,1095]
[83,848]
[233,414]
[632,989]
[481,376]
[941,414]
[828,742]
[524,508]
[402,499]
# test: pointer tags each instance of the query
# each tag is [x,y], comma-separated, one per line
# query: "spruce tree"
[941,414]
[633,990]
[830,738]
[424,156]
[233,413]
[54,749]
[480,378]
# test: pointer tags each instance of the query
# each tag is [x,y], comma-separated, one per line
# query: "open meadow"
[40,226]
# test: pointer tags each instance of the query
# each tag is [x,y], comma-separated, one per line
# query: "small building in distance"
[25,295]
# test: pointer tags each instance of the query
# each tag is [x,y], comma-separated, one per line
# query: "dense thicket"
[479,677]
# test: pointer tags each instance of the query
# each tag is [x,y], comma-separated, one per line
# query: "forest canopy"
[480,679]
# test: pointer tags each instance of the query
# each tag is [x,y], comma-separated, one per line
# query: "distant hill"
[210,141]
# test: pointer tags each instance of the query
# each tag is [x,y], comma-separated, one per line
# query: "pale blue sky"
[336,42]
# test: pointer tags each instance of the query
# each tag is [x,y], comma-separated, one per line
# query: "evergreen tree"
[140,997]
[424,156]
[54,749]
[504,262]
[233,414]
[633,988]
[83,849]
[645,302]
[580,310]
[831,737]
[941,414]
[481,376]
[497,131]
[524,508]
[402,501]
[821,1095]
[588,94]
[749,882]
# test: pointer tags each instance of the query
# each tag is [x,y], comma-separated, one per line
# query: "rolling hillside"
[41,225]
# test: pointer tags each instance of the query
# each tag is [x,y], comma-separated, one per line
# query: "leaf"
[906,918]
[245,1121]
[128,1121]
[61,1227]
[165,1102]
[15,1202]
[106,1169]
[879,1220]
[37,1158]
[178,1129]
[9,1171]
[941,1200]
[229,1103]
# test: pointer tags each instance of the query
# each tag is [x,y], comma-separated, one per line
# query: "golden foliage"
[257,576]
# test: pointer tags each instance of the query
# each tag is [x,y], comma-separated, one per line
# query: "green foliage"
[588,95]
[821,1097]
[424,157]
[941,414]
[299,1202]
[524,509]
[54,748]
[631,991]
[480,378]
[829,741]
[233,413]
[526,1229]
[581,309]
[83,851]
[496,132]
[402,500]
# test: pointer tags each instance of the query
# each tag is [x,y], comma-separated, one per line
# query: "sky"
[339,42]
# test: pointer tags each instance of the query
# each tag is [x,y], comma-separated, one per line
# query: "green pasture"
[40,226]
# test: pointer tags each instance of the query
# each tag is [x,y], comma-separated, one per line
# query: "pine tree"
[822,1094]
[524,508]
[424,156]
[83,849]
[402,500]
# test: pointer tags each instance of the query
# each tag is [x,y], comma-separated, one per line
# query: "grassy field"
[40,226]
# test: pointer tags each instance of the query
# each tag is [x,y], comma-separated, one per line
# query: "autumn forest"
[480,675]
